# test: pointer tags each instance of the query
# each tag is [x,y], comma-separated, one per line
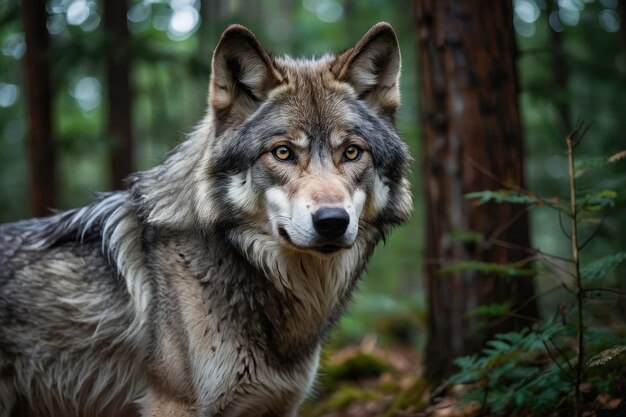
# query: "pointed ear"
[372,67]
[242,76]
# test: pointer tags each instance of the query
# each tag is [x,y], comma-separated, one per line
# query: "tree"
[40,141]
[120,98]
[472,141]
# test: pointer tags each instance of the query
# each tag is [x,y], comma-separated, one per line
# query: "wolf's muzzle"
[331,222]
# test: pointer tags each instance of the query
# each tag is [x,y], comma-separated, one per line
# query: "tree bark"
[40,141]
[119,93]
[473,141]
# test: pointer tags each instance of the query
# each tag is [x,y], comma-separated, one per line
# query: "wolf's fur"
[207,288]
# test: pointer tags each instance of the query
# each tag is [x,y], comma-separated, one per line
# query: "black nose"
[331,222]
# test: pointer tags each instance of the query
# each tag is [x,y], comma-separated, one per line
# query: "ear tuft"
[372,67]
[242,74]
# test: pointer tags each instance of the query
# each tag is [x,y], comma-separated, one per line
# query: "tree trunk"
[473,141]
[40,142]
[118,84]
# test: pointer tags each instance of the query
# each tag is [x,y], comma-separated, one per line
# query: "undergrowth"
[561,363]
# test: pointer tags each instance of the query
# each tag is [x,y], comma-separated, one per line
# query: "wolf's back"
[61,297]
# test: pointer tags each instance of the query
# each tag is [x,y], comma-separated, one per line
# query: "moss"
[340,399]
[359,366]
[411,399]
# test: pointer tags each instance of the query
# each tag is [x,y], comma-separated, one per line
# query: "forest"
[504,295]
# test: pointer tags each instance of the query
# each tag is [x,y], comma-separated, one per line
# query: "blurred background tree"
[41,146]
[472,141]
[571,64]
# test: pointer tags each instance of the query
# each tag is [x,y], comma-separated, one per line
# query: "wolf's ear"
[372,67]
[242,75]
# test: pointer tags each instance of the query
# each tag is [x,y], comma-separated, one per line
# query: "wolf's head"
[308,149]
[303,152]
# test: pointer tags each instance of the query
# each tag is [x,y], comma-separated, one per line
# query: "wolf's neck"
[170,194]
[315,290]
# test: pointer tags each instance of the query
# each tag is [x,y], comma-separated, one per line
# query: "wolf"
[208,286]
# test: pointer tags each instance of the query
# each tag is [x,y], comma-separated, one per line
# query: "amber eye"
[352,153]
[283,153]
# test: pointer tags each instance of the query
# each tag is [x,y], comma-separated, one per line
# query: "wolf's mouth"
[326,249]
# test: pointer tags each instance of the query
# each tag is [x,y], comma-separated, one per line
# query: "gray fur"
[202,291]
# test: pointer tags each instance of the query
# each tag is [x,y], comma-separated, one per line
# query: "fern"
[600,268]
[589,164]
[508,196]
[538,371]
[598,201]
[508,374]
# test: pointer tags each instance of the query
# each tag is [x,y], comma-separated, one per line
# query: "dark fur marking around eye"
[386,147]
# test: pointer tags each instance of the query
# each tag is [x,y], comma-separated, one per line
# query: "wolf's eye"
[352,153]
[283,153]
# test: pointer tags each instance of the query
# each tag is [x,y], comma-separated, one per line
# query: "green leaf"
[584,166]
[599,200]
[503,270]
[602,266]
[504,196]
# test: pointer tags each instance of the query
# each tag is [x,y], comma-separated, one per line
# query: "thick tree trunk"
[473,141]
[40,142]
[119,93]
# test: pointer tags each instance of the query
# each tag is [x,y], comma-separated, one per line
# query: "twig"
[523,305]
[563,227]
[577,135]
[556,361]
[558,349]
[569,141]
[502,228]
[611,290]
[531,251]
[593,234]
[493,177]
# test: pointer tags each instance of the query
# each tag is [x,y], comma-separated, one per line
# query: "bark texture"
[119,92]
[40,141]
[473,141]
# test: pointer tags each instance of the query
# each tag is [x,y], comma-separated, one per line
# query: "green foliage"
[411,397]
[339,399]
[507,196]
[584,166]
[509,374]
[539,370]
[602,267]
[598,201]
[589,164]
[359,366]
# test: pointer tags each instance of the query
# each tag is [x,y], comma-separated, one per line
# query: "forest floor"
[370,381]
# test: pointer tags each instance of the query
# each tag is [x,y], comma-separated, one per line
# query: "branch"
[571,141]
[555,360]
[601,289]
